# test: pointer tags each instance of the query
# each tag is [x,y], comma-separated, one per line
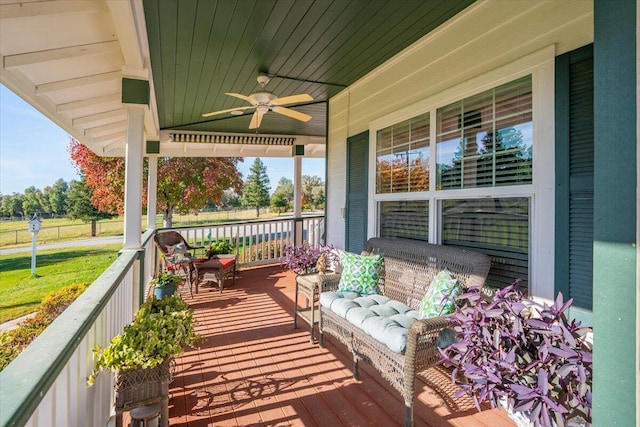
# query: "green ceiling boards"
[201,49]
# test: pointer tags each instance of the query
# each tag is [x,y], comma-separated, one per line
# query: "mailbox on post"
[34,227]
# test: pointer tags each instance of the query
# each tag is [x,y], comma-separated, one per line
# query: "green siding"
[356,221]
[615,216]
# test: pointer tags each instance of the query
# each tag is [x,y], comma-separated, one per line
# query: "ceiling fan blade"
[213,113]
[243,97]
[292,113]
[256,120]
[293,99]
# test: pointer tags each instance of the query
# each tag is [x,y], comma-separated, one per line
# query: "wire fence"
[15,232]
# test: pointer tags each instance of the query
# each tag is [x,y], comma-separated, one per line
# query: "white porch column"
[297,187]
[133,177]
[152,192]
[297,200]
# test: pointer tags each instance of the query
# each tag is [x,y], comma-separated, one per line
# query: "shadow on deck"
[254,369]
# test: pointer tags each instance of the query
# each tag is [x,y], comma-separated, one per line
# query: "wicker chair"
[166,241]
[408,270]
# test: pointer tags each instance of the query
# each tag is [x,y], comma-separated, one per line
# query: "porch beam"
[105,129]
[27,10]
[109,116]
[104,139]
[78,82]
[22,59]
[88,102]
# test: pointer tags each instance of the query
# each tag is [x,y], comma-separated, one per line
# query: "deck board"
[253,369]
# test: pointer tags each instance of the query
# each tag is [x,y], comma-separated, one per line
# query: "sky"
[34,151]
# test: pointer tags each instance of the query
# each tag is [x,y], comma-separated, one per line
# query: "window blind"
[497,227]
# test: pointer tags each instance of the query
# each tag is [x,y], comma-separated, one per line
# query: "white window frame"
[541,192]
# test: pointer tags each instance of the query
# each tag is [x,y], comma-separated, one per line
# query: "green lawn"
[20,293]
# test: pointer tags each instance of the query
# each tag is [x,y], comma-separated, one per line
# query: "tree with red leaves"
[185,184]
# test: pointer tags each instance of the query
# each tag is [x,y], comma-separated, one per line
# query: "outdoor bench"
[386,329]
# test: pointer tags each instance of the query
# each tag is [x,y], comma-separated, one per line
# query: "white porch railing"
[45,386]
[258,242]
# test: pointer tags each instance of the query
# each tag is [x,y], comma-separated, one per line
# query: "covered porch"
[133,78]
[253,369]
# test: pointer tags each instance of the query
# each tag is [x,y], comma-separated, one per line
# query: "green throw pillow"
[440,298]
[360,273]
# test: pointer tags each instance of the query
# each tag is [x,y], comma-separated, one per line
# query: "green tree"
[56,196]
[256,189]
[79,204]
[32,201]
[230,199]
[312,192]
[11,205]
[282,197]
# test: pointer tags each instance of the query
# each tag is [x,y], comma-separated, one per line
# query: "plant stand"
[141,387]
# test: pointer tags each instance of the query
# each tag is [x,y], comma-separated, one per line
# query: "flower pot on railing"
[165,284]
[164,291]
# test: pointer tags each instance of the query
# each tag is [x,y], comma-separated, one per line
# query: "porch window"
[482,144]
[498,227]
[486,140]
[402,156]
[408,219]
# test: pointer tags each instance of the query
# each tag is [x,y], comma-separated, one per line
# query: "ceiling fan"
[263,101]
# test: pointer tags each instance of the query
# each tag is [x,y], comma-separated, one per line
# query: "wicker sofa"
[408,269]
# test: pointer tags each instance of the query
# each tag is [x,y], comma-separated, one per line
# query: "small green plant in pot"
[160,330]
[218,247]
[165,284]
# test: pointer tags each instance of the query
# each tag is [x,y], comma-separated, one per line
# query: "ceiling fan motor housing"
[263,96]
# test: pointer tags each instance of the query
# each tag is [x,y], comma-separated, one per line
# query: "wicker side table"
[309,286]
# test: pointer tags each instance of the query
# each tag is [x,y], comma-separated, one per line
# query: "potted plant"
[522,353]
[218,247]
[165,284]
[160,330]
[302,259]
[141,356]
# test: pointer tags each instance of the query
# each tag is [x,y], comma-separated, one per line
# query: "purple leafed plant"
[302,259]
[527,353]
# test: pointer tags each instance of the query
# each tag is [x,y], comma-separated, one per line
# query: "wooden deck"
[254,369]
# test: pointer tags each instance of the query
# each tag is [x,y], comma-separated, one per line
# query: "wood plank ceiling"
[67,58]
[200,49]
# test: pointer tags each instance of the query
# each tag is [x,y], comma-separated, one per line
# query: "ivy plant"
[160,330]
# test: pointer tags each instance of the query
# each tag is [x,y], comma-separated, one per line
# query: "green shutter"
[574,169]
[356,206]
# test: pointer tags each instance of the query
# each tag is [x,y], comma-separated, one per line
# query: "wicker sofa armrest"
[421,351]
[328,282]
